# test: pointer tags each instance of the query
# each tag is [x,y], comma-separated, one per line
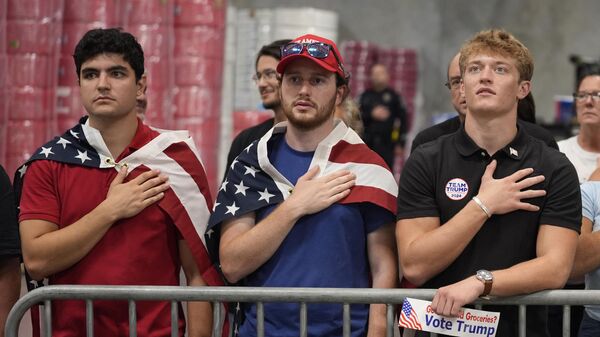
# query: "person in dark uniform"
[383,112]
[489,210]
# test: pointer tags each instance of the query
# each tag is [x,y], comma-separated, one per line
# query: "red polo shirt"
[141,250]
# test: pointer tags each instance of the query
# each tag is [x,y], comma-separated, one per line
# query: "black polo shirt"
[442,176]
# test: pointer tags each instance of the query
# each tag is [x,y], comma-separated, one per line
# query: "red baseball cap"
[329,63]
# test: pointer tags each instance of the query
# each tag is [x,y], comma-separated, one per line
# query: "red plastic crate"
[200,12]
[198,71]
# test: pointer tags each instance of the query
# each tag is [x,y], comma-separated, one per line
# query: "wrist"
[488,212]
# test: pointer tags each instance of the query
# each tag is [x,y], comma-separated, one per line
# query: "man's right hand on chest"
[127,199]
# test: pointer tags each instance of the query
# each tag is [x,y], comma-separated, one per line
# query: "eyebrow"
[113,68]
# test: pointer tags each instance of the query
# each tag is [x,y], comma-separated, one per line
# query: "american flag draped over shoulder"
[253,183]
[188,201]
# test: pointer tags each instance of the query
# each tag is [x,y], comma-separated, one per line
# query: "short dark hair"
[110,40]
[591,70]
[272,49]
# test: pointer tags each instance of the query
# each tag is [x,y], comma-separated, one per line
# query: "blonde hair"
[501,42]
[349,112]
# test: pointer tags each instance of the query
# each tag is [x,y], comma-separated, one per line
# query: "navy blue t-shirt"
[325,249]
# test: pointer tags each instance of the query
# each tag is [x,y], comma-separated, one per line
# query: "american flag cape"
[253,182]
[187,202]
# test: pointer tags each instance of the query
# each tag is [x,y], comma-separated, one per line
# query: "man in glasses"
[309,204]
[267,81]
[489,210]
[526,107]
[114,202]
[384,115]
[583,150]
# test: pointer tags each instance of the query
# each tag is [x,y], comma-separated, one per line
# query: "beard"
[323,114]
[272,104]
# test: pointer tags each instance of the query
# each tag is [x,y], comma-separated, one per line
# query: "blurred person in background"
[583,149]
[267,82]
[384,116]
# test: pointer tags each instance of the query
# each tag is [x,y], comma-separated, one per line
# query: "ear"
[141,87]
[341,93]
[524,89]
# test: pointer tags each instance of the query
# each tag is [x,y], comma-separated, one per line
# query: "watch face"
[484,275]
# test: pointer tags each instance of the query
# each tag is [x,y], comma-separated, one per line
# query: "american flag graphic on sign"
[408,317]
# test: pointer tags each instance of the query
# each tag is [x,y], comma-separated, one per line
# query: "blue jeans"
[589,327]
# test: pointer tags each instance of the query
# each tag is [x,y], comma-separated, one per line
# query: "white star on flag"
[224,185]
[209,232]
[265,195]
[513,151]
[250,170]
[215,205]
[232,209]
[235,161]
[82,156]
[75,134]
[63,142]
[240,188]
[248,147]
[46,151]
[22,170]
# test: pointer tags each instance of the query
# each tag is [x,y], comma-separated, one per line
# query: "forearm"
[57,250]
[245,253]
[587,257]
[377,312]
[10,283]
[200,319]
[430,253]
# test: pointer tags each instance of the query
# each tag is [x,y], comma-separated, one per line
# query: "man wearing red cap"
[309,204]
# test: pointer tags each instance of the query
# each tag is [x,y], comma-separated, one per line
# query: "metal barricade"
[217,295]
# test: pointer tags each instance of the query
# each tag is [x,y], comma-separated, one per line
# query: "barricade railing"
[217,295]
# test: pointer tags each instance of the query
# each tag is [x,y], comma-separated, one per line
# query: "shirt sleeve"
[9,228]
[416,191]
[563,199]
[375,216]
[589,205]
[39,199]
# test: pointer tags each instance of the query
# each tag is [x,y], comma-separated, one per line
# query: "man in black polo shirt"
[489,209]
[525,111]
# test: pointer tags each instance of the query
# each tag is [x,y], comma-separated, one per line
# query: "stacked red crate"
[151,22]
[3,74]
[33,29]
[359,56]
[78,20]
[199,28]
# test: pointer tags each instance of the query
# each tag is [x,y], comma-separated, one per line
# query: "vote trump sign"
[418,315]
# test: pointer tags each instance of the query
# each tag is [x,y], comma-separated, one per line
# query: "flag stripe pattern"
[188,201]
[252,182]
[408,317]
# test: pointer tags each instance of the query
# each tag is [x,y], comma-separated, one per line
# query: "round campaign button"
[457,189]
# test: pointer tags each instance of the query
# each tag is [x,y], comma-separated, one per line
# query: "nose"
[304,89]
[486,74]
[103,82]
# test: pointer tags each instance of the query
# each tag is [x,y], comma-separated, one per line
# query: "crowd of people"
[488,204]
